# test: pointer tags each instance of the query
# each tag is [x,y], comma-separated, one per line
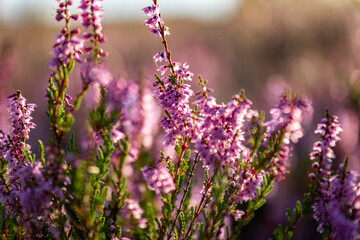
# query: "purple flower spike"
[336,206]
[67,45]
[286,118]
[180,123]
[91,15]
[20,116]
[26,194]
[154,22]
[329,130]
[342,212]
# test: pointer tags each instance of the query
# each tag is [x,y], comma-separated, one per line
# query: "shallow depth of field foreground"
[150,150]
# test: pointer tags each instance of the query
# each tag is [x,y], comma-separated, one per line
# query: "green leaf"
[298,209]
[71,147]
[288,213]
[259,203]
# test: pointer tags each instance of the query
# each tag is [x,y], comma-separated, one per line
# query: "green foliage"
[8,226]
[41,152]
[293,217]
[100,118]
[61,120]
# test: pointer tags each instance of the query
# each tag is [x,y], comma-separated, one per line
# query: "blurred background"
[261,46]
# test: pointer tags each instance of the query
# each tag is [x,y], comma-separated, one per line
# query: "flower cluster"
[172,93]
[329,130]
[343,206]
[96,75]
[91,15]
[336,207]
[159,179]
[218,130]
[20,117]
[24,191]
[286,119]
[221,128]
[246,185]
[133,212]
[103,188]
[154,22]
[180,119]
[139,113]
[67,45]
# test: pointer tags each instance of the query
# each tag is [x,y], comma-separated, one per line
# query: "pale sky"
[13,10]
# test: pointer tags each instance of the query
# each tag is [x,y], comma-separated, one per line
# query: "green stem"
[184,195]
[199,209]
[174,194]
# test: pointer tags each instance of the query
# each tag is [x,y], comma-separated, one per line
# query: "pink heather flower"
[172,93]
[67,100]
[25,193]
[20,118]
[221,126]
[166,31]
[61,12]
[154,22]
[91,15]
[155,31]
[12,144]
[338,207]
[247,183]
[67,46]
[162,69]
[159,57]
[286,118]
[134,212]
[180,119]
[139,120]
[150,113]
[158,179]
[124,96]
[116,135]
[237,214]
[287,115]
[334,196]
[343,210]
[96,74]
[151,10]
[181,71]
[134,208]
[36,194]
[329,129]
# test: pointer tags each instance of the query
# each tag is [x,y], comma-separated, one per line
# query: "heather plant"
[113,183]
